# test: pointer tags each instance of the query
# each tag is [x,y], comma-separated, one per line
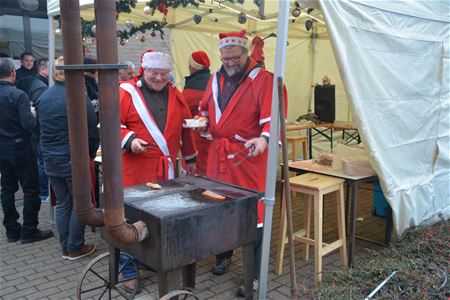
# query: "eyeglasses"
[234,59]
[155,73]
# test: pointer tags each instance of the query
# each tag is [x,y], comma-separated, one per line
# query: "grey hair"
[6,67]
[128,63]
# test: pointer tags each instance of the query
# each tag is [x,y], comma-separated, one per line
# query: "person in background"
[18,161]
[128,73]
[195,85]
[37,87]
[56,153]
[238,103]
[26,72]
[90,80]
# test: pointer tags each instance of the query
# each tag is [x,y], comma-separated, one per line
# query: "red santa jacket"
[193,93]
[246,116]
[159,161]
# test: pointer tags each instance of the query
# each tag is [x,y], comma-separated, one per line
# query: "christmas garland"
[153,26]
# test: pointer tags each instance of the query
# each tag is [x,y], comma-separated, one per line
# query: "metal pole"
[272,161]
[380,286]
[51,49]
[287,187]
[313,61]
[51,61]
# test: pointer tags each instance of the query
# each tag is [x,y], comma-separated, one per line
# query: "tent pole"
[51,49]
[272,161]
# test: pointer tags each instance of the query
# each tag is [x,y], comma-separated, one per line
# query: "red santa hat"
[199,60]
[257,49]
[151,59]
[233,39]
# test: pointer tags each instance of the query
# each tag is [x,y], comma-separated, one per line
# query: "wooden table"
[325,130]
[301,167]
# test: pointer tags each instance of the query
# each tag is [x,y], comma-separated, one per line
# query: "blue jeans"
[128,270]
[18,165]
[43,179]
[71,230]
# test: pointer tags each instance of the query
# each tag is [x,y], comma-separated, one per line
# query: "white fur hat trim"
[156,60]
[233,41]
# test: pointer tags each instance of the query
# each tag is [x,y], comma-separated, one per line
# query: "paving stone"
[40,274]
[52,283]
[18,294]
[43,293]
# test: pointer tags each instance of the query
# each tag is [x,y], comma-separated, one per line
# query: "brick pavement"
[37,271]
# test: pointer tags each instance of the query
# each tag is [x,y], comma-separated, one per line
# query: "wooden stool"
[294,139]
[315,186]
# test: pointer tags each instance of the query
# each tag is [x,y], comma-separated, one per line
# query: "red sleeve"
[125,105]
[188,149]
[192,98]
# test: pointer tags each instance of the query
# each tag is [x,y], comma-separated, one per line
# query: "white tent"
[393,57]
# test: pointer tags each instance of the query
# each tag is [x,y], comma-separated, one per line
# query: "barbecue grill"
[184,227]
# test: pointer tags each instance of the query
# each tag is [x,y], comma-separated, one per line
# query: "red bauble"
[153,34]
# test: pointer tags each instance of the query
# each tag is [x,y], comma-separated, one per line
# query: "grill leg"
[168,281]
[188,274]
[247,251]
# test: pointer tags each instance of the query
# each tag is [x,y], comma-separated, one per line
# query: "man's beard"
[232,71]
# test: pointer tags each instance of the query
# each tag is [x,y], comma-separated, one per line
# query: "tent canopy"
[393,57]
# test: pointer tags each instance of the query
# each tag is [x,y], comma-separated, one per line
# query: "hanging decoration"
[129,23]
[242,18]
[197,19]
[163,5]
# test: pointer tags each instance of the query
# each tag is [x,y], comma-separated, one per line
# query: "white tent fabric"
[393,57]
[394,60]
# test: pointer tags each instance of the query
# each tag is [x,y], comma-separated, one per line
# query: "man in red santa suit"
[194,88]
[150,142]
[238,104]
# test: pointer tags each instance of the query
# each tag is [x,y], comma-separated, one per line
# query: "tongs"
[249,154]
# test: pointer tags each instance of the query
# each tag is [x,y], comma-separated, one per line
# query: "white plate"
[194,123]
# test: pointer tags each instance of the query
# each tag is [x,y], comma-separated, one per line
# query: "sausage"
[213,196]
[154,186]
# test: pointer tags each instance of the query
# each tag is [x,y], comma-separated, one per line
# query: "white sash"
[215,92]
[150,124]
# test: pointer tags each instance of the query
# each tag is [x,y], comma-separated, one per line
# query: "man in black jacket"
[52,109]
[37,87]
[17,160]
[26,72]
[40,81]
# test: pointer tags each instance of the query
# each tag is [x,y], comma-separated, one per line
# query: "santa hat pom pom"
[139,83]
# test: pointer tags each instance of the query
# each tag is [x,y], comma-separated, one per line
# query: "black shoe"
[241,291]
[221,266]
[13,239]
[38,235]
